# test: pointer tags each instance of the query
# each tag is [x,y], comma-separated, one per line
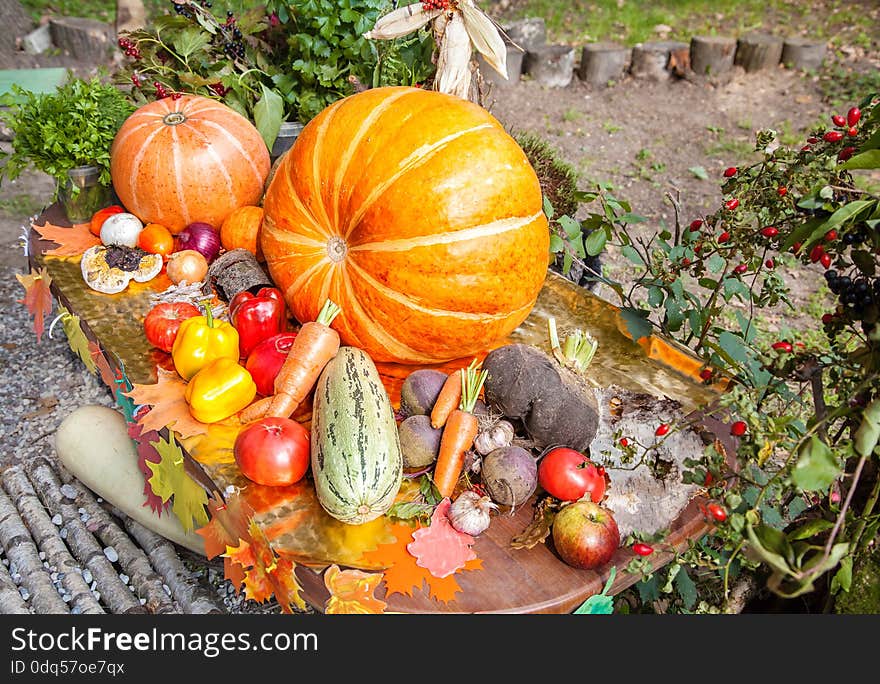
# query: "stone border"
[703,57]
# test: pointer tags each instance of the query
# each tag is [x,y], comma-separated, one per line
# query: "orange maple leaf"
[37,296]
[108,375]
[351,591]
[440,548]
[229,523]
[286,587]
[169,407]
[72,241]
[403,575]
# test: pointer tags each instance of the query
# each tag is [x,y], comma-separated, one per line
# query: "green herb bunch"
[73,126]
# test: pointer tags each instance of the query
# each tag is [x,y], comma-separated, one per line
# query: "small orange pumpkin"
[176,162]
[241,230]
[415,212]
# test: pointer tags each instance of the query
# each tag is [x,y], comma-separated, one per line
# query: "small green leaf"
[637,323]
[733,346]
[655,296]
[557,244]
[649,589]
[699,172]
[268,113]
[865,160]
[810,529]
[734,287]
[771,546]
[843,576]
[571,227]
[816,468]
[190,40]
[599,604]
[629,217]
[864,261]
[686,588]
[595,242]
[715,264]
[548,207]
[632,254]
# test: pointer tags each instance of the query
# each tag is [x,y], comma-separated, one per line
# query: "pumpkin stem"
[174,118]
[336,248]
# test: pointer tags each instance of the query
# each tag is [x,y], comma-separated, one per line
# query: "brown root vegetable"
[419,391]
[510,475]
[554,404]
[419,442]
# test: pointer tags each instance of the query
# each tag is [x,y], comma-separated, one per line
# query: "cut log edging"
[704,57]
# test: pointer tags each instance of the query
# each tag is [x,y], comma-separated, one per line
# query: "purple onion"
[202,238]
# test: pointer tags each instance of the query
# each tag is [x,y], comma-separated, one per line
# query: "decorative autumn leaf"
[402,575]
[76,338]
[539,528]
[169,407]
[147,452]
[351,592]
[108,374]
[599,604]
[72,241]
[229,523]
[169,479]
[440,548]
[287,589]
[37,296]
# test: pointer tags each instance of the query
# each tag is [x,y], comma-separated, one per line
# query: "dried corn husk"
[402,21]
[484,36]
[453,63]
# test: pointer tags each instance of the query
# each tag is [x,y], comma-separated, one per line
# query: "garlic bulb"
[499,435]
[469,513]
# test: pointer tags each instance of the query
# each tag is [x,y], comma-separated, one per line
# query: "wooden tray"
[512,580]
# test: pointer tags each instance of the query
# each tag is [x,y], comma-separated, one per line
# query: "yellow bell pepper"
[220,390]
[200,340]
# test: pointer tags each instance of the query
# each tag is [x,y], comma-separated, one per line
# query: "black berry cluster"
[857,295]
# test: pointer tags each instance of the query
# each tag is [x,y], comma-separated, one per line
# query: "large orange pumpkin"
[416,213]
[192,159]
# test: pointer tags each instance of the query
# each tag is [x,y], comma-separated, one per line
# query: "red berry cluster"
[161,91]
[219,89]
[129,48]
[429,5]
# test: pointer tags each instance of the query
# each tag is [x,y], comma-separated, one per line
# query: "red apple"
[585,534]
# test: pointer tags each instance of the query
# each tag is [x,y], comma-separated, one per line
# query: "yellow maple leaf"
[287,589]
[351,591]
[170,480]
[72,241]
[169,407]
[76,338]
[37,296]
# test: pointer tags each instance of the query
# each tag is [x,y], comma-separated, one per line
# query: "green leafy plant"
[796,505]
[73,126]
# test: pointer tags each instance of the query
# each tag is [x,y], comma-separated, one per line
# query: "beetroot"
[419,442]
[510,475]
[419,391]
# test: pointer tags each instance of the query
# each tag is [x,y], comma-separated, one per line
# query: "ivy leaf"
[816,468]
[170,480]
[268,113]
[686,588]
[599,604]
[37,296]
[637,324]
[843,577]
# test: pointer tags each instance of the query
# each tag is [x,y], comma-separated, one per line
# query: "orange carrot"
[447,401]
[459,433]
[315,344]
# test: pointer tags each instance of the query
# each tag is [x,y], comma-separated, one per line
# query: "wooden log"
[552,65]
[528,34]
[803,53]
[133,560]
[24,560]
[114,593]
[602,63]
[189,594]
[48,539]
[650,61]
[236,271]
[712,55]
[85,39]
[11,602]
[758,51]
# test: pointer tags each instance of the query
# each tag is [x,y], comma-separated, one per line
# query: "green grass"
[20,205]
[90,9]
[630,22]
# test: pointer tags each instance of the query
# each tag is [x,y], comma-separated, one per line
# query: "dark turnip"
[419,391]
[555,405]
[419,442]
[510,475]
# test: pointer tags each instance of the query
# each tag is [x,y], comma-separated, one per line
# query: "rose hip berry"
[724,237]
[770,232]
[624,442]
[706,374]
[852,132]
[662,429]
[782,346]
[770,263]
[830,235]
[696,224]
[853,116]
[731,204]
[816,253]
[717,512]
[825,260]
[730,172]
[827,318]
[838,120]
[738,429]
[782,191]
[740,269]
[642,549]
[845,153]
[833,136]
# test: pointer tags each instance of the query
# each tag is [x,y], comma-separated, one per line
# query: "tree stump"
[603,62]
[651,60]
[514,69]
[16,24]
[802,53]
[757,51]
[529,34]
[84,39]
[712,55]
[551,65]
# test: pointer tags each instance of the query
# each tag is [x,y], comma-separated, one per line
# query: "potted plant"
[67,134]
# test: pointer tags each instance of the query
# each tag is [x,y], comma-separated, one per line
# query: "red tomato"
[163,321]
[156,239]
[568,475]
[273,451]
[266,359]
[100,216]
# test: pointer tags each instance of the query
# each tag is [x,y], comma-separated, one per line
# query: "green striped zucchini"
[356,460]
